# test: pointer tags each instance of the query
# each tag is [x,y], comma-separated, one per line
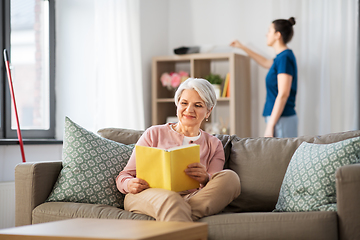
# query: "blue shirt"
[284,62]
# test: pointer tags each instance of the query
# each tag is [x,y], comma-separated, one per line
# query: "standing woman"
[281,80]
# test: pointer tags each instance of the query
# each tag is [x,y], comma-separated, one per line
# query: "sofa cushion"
[56,211]
[90,165]
[294,226]
[226,142]
[309,182]
[261,164]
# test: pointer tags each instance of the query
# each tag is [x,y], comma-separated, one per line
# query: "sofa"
[261,164]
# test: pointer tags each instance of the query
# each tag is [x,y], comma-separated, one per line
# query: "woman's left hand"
[198,172]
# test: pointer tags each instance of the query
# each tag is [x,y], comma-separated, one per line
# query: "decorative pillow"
[309,182]
[90,166]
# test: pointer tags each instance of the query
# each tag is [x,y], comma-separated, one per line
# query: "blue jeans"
[286,127]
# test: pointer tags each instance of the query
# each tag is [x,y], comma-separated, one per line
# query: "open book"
[164,168]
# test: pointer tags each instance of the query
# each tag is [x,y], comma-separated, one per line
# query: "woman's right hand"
[266,63]
[236,44]
[137,185]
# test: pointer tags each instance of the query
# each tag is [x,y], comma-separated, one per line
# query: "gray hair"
[203,87]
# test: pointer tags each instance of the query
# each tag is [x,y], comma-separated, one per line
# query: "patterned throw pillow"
[309,182]
[90,166]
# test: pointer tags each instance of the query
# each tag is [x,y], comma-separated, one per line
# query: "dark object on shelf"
[186,50]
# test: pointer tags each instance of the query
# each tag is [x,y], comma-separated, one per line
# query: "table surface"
[93,228]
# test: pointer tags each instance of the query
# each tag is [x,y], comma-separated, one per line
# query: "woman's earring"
[206,119]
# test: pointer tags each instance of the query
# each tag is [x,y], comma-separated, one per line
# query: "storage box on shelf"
[237,106]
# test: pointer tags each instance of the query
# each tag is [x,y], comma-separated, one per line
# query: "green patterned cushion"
[309,182]
[90,166]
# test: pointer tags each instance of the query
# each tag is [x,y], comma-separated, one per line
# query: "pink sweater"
[162,136]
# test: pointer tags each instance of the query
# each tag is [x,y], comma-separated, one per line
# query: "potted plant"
[216,81]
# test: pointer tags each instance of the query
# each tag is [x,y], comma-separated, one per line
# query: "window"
[28,28]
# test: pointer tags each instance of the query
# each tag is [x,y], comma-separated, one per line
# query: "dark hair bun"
[292,21]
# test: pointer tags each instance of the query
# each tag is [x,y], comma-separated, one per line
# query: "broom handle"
[7,64]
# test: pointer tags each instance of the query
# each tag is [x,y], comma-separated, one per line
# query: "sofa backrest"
[121,135]
[261,164]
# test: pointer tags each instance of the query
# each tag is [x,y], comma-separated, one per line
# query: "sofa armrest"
[348,201]
[33,184]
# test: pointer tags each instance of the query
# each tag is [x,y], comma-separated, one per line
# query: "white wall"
[10,156]
[74,62]
[209,23]
[154,42]
[220,22]
[166,25]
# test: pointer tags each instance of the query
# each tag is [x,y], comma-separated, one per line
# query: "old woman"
[195,99]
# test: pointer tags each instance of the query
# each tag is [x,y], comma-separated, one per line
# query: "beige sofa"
[261,164]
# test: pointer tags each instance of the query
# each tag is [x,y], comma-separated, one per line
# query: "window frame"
[5,99]
[358,60]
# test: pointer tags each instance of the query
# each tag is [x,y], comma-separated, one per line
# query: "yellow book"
[226,86]
[164,168]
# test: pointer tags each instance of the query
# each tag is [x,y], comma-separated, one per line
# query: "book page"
[152,166]
[180,159]
[166,168]
[180,147]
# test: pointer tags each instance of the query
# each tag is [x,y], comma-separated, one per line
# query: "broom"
[7,64]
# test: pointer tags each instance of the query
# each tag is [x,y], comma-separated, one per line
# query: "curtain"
[118,93]
[325,44]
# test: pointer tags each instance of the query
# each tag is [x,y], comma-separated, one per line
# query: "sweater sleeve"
[129,172]
[216,163]
[215,158]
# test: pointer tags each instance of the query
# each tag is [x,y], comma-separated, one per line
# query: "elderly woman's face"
[191,109]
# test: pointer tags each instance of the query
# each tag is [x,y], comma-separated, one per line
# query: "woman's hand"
[266,63]
[198,172]
[269,131]
[236,44]
[137,185]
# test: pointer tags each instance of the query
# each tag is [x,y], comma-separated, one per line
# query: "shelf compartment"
[167,66]
[236,108]
[164,110]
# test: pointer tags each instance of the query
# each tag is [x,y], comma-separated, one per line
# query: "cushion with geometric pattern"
[309,182]
[90,166]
